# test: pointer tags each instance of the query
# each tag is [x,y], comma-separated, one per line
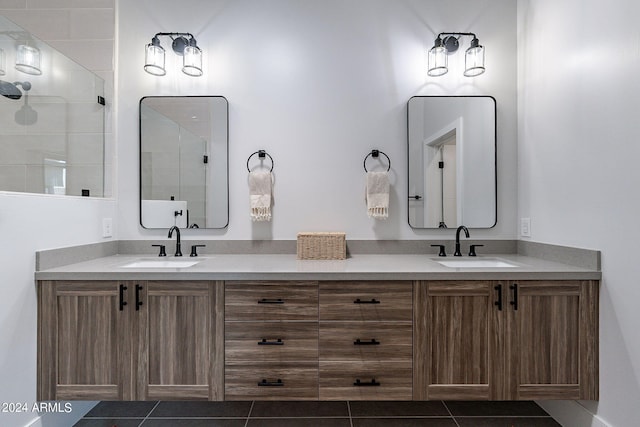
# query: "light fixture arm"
[450,40]
[179,41]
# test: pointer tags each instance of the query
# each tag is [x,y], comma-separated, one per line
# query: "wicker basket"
[322,246]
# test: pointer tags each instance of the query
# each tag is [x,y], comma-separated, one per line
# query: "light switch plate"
[525,227]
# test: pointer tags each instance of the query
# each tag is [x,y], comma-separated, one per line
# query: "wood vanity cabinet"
[504,340]
[126,340]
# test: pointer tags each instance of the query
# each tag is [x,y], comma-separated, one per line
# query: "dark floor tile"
[191,409]
[199,422]
[506,422]
[403,422]
[395,408]
[310,409]
[108,422]
[495,409]
[298,422]
[121,409]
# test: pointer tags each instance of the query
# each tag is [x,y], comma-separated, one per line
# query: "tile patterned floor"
[317,414]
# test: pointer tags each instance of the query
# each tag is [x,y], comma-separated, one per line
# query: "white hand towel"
[377,195]
[260,184]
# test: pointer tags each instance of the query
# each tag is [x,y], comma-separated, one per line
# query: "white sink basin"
[157,263]
[476,263]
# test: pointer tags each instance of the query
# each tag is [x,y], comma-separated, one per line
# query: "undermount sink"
[157,263]
[476,263]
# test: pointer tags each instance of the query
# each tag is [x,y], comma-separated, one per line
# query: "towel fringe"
[261,214]
[378,212]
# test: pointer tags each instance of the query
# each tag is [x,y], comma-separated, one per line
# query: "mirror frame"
[495,159]
[140,157]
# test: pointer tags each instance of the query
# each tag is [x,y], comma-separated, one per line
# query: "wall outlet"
[107,227]
[525,227]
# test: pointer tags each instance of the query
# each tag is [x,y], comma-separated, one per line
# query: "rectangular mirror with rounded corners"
[184,144]
[452,161]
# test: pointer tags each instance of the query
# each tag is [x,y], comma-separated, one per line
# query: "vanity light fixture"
[28,59]
[183,44]
[447,43]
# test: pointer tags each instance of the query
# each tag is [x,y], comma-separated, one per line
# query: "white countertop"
[287,267]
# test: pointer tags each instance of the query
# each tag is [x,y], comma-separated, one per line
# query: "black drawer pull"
[265,383]
[122,301]
[372,383]
[271,301]
[372,301]
[371,342]
[265,342]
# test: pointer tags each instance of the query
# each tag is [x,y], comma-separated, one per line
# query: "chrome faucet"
[466,233]
[177,230]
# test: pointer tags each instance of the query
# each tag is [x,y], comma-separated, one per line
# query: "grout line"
[349,412]
[450,414]
[253,402]
[152,409]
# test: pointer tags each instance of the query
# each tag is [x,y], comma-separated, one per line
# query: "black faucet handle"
[442,252]
[162,250]
[194,249]
[472,249]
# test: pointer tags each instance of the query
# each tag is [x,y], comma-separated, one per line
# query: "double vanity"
[268,326]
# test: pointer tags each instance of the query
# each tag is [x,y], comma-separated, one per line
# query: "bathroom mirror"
[452,161]
[184,162]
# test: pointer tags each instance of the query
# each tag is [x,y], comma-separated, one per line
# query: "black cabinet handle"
[372,301]
[372,383]
[271,301]
[138,302]
[265,383]
[371,342]
[276,342]
[499,302]
[122,301]
[514,302]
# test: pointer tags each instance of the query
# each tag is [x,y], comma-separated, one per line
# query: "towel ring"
[261,154]
[375,154]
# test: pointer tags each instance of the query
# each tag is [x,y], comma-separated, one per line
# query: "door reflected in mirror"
[452,161]
[184,162]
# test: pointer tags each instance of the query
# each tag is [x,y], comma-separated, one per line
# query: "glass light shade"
[437,61]
[154,60]
[192,61]
[28,60]
[3,67]
[474,61]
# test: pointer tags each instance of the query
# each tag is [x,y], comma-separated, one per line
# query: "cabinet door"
[83,345]
[552,340]
[180,355]
[456,347]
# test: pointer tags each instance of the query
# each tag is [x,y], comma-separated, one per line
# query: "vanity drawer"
[271,301]
[365,341]
[353,381]
[347,300]
[271,381]
[271,341]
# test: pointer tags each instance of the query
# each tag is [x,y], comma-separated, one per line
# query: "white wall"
[33,222]
[578,136]
[318,84]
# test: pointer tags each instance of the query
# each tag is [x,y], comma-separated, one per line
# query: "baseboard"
[63,419]
[570,413]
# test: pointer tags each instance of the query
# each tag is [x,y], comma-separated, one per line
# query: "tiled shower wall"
[83,30]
